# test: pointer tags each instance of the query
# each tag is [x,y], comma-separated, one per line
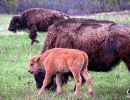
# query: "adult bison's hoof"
[33,41]
[36,41]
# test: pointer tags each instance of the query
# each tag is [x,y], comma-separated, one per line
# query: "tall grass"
[17,84]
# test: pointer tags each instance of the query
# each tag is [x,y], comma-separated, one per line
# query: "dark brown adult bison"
[35,19]
[105,42]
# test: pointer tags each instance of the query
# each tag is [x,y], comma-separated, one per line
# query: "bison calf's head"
[15,24]
[34,65]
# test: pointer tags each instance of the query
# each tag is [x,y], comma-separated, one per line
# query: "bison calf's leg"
[78,80]
[58,83]
[88,80]
[32,36]
[39,77]
[45,82]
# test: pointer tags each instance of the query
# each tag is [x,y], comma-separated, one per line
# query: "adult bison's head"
[15,24]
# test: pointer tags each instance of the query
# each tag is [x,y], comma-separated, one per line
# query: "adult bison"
[105,42]
[35,19]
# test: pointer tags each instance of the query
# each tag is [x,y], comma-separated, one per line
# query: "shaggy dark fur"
[35,19]
[52,85]
[106,43]
[39,81]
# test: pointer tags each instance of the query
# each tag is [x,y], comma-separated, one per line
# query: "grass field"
[17,84]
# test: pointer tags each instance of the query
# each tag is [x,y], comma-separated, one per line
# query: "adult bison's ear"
[16,18]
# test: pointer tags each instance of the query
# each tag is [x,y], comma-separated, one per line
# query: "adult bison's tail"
[85,60]
[66,15]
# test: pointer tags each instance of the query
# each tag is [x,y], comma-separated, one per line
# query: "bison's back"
[41,18]
[78,23]
[81,32]
[40,11]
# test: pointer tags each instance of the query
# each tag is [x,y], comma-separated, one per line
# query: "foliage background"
[73,7]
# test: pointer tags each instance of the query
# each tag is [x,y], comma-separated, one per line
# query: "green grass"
[17,84]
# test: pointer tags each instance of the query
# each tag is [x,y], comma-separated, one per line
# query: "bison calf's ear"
[37,59]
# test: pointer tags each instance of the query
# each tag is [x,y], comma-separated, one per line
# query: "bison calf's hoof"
[91,94]
[40,92]
[58,94]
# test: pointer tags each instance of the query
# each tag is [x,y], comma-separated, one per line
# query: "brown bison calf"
[105,42]
[35,19]
[61,60]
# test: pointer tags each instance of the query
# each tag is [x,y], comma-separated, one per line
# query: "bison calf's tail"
[85,65]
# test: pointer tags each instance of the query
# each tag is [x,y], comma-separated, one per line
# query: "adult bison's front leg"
[32,33]
[32,36]
[39,77]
